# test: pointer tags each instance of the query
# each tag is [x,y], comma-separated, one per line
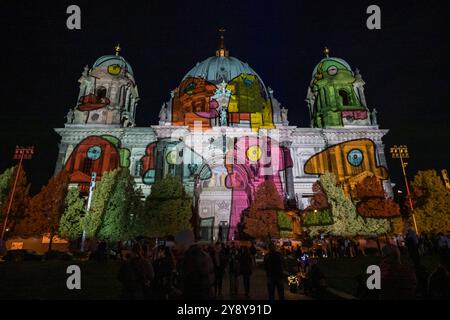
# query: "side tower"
[336,95]
[108,94]
[344,137]
[100,134]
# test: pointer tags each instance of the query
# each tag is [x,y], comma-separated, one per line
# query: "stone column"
[61,157]
[159,161]
[289,176]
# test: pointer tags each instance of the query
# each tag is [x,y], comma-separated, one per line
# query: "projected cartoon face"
[350,161]
[178,159]
[253,161]
[193,102]
[95,154]
[358,156]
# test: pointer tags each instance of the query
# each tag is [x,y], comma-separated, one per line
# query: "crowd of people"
[401,280]
[168,272]
[198,272]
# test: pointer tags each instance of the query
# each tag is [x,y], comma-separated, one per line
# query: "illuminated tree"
[346,222]
[136,212]
[261,220]
[318,213]
[168,210]
[372,201]
[397,225]
[93,219]
[70,223]
[432,202]
[116,221]
[5,182]
[45,208]
[20,201]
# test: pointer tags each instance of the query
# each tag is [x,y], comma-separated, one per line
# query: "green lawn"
[47,280]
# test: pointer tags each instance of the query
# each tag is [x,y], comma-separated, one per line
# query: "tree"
[117,219]
[346,221]
[45,208]
[5,182]
[93,219]
[168,210]
[318,213]
[261,219]
[432,202]
[70,223]
[21,197]
[372,200]
[285,224]
[136,212]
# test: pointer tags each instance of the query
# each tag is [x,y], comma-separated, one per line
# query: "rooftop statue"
[163,113]
[374,117]
[223,116]
[284,113]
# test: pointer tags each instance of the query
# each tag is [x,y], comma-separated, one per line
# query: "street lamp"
[401,152]
[88,206]
[20,154]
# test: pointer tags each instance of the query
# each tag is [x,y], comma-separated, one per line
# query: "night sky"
[405,64]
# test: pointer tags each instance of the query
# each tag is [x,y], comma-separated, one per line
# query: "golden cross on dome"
[222,31]
[222,51]
[326,51]
[117,49]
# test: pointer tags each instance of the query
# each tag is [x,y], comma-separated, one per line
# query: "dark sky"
[405,64]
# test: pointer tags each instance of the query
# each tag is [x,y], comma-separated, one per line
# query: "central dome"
[220,69]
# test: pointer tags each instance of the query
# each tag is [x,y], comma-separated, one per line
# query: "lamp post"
[88,207]
[401,152]
[20,154]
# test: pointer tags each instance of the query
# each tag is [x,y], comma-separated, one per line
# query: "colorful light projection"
[337,101]
[96,101]
[255,159]
[173,157]
[249,103]
[372,201]
[318,213]
[350,161]
[95,153]
[193,103]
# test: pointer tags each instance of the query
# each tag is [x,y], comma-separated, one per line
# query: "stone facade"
[208,152]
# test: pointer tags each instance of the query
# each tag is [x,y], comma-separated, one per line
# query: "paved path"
[258,288]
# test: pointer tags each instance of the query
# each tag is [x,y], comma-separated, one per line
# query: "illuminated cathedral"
[224,133]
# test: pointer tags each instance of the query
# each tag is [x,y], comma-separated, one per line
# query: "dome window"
[345,97]
[190,88]
[101,93]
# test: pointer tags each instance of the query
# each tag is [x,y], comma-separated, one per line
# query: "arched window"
[101,93]
[137,168]
[345,97]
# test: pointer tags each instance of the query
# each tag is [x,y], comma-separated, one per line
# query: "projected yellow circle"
[254,153]
[114,69]
[171,157]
